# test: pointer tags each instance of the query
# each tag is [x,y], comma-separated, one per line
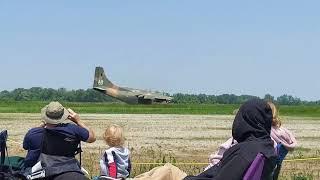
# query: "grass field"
[108,108]
[174,138]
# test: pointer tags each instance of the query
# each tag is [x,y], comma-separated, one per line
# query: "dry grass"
[172,138]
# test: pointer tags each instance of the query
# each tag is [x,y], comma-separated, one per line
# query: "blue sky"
[213,47]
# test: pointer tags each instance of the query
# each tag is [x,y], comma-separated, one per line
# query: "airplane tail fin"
[101,82]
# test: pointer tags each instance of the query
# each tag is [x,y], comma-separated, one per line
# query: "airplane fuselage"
[131,96]
[128,95]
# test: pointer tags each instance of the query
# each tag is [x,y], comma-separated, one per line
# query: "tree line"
[90,95]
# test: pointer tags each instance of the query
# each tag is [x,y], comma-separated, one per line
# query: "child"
[279,134]
[115,162]
[283,138]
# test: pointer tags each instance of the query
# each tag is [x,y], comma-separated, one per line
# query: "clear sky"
[214,47]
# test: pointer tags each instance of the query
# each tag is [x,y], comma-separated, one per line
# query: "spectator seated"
[57,156]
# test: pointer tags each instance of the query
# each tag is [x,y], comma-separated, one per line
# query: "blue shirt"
[33,139]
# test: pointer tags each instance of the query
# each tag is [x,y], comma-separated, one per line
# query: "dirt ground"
[189,138]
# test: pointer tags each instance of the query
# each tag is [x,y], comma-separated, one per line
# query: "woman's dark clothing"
[251,128]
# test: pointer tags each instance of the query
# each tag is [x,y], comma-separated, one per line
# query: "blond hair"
[113,136]
[275,115]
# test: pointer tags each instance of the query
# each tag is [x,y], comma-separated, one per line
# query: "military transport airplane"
[128,95]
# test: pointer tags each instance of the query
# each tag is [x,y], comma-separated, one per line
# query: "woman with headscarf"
[251,129]
[284,141]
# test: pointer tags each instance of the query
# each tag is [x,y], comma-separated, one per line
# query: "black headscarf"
[253,122]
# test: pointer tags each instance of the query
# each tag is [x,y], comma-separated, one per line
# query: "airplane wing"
[145,96]
[151,96]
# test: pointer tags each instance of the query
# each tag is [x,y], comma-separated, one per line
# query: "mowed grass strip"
[118,108]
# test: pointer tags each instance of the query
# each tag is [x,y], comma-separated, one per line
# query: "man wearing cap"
[54,117]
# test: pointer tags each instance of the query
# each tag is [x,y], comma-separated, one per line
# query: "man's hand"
[43,124]
[74,117]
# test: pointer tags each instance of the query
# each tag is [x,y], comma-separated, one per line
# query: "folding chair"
[57,156]
[3,147]
[282,153]
[9,170]
[254,172]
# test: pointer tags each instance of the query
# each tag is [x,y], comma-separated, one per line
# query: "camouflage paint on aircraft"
[128,95]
